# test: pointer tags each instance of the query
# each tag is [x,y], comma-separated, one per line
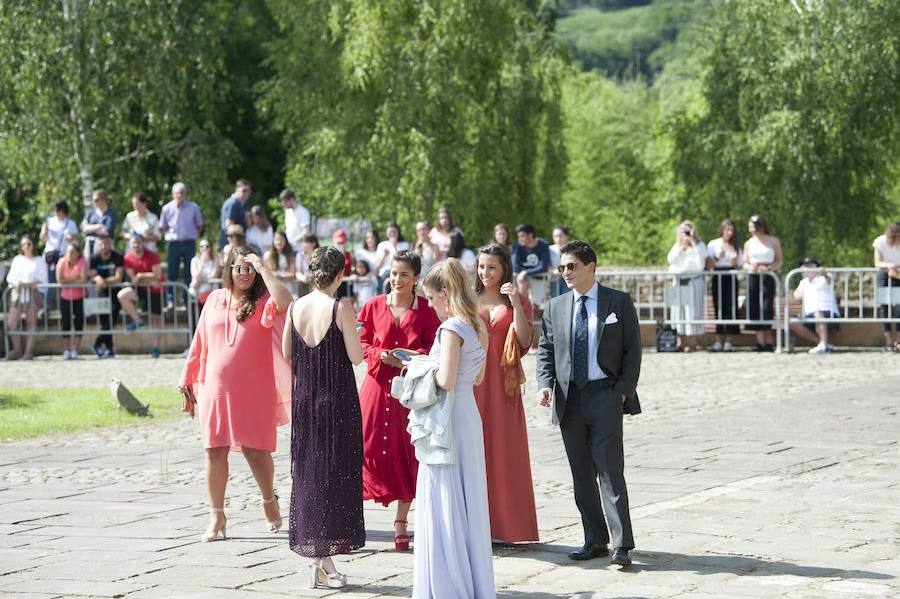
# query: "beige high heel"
[274,525]
[318,577]
[212,533]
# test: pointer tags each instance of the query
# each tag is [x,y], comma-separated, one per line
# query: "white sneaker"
[819,349]
[73,355]
[66,355]
[728,346]
[717,346]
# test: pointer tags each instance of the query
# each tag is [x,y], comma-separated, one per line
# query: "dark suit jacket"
[618,353]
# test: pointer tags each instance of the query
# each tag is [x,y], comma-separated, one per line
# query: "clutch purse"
[189,402]
[397,385]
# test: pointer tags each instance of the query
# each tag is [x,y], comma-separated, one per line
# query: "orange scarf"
[511,362]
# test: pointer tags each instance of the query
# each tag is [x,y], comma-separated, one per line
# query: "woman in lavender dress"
[453,529]
[321,341]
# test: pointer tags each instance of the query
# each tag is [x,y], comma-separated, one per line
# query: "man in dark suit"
[589,360]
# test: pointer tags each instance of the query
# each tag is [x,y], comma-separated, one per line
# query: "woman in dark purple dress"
[321,341]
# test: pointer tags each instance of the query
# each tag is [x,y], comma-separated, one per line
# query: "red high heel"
[401,541]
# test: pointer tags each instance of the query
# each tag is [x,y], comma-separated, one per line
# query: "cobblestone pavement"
[750,476]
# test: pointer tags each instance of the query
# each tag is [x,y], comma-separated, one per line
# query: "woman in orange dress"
[398,320]
[241,381]
[507,316]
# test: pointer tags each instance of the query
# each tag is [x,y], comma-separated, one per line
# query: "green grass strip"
[32,412]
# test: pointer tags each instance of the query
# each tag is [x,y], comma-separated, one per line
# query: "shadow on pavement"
[654,561]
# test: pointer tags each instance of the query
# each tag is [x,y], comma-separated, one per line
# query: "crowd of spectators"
[134,282]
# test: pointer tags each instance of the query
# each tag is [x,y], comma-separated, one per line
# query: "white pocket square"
[611,319]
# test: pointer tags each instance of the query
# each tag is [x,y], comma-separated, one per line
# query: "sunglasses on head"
[243,269]
[570,266]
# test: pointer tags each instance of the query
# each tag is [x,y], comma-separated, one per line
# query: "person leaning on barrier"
[817,294]
[688,255]
[530,259]
[762,255]
[725,253]
[72,270]
[887,258]
[26,273]
[235,237]
[107,271]
[144,271]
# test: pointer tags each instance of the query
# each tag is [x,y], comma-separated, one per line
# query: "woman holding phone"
[398,322]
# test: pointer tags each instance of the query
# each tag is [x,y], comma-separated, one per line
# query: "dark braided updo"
[325,265]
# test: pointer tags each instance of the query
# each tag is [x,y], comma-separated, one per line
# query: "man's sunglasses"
[562,268]
[243,269]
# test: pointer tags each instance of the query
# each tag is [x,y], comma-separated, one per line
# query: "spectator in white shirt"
[392,244]
[297,218]
[688,256]
[143,222]
[459,251]
[817,294]
[369,250]
[725,254]
[56,233]
[259,234]
[26,273]
[887,258]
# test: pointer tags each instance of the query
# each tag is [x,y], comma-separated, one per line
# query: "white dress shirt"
[591,304]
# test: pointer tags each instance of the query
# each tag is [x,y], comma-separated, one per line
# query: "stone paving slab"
[749,475]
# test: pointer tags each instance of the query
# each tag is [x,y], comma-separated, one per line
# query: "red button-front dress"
[389,459]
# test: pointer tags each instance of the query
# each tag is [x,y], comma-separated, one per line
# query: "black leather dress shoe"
[589,552]
[620,557]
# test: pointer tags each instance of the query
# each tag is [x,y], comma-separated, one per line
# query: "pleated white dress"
[453,530]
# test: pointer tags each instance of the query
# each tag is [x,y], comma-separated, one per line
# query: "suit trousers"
[591,429]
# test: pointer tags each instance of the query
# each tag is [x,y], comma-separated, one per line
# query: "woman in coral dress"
[399,320]
[507,317]
[241,382]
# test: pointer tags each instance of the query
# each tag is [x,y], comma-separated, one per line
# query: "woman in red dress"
[396,321]
[507,317]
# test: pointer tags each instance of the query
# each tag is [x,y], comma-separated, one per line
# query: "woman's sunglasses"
[243,269]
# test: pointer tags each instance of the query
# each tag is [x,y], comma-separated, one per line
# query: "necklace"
[229,338]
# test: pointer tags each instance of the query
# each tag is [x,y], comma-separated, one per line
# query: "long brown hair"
[503,256]
[449,274]
[735,238]
[892,234]
[247,305]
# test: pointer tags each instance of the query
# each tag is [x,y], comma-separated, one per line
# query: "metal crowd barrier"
[666,298]
[102,312]
[858,293]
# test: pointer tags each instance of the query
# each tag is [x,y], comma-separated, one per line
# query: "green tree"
[616,195]
[800,121]
[113,93]
[391,108]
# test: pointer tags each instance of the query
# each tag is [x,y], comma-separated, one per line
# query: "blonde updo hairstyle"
[325,265]
[450,276]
